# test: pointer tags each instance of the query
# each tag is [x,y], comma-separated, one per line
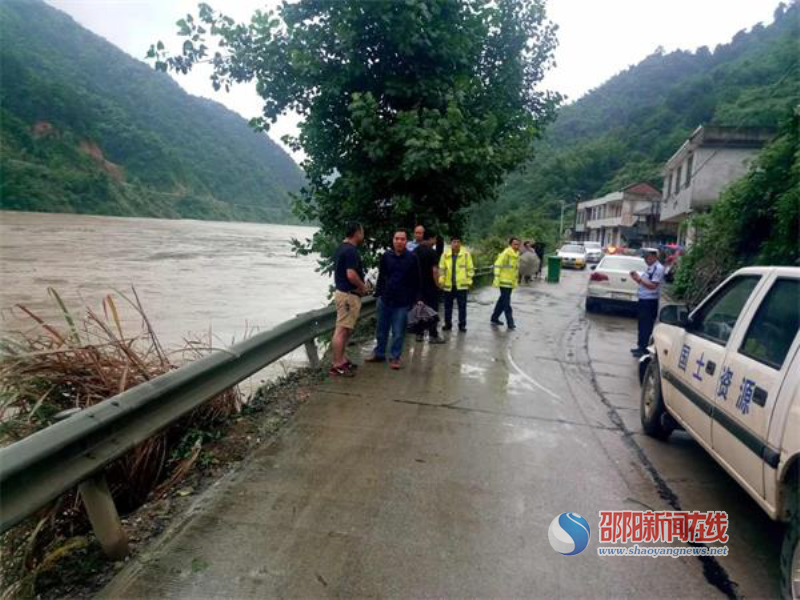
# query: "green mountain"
[624,130]
[86,128]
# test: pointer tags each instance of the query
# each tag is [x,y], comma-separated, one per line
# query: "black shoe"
[512,327]
[496,322]
[436,340]
[462,329]
[420,337]
[635,350]
[638,354]
[447,328]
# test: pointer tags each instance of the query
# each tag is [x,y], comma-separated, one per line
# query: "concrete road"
[442,479]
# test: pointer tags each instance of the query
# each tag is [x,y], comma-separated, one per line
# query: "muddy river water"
[193,277]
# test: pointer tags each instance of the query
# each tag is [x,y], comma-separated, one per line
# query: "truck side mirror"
[674,314]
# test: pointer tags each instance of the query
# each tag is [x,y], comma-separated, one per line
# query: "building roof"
[714,136]
[642,188]
[602,200]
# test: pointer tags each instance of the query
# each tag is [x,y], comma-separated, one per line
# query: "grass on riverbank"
[74,364]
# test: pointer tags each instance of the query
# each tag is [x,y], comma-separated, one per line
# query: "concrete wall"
[725,165]
[713,169]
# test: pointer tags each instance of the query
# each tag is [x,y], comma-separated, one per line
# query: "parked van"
[728,372]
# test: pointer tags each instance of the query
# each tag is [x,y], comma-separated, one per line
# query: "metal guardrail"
[41,467]
[74,452]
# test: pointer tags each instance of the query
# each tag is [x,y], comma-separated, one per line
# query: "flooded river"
[191,276]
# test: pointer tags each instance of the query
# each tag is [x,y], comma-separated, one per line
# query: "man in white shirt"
[419,232]
[649,292]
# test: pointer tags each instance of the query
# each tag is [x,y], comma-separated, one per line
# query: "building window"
[668,188]
[678,181]
[689,164]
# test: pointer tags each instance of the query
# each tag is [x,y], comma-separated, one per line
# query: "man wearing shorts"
[348,275]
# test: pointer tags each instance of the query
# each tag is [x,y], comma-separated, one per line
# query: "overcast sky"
[597,38]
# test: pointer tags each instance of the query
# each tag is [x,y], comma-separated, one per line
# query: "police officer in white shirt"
[419,232]
[649,292]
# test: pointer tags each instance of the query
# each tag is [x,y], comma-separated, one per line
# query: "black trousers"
[459,296]
[648,313]
[504,306]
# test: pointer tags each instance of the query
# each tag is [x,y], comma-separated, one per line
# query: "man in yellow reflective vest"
[506,276]
[455,278]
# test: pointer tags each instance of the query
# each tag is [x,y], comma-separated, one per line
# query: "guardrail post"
[101,509]
[313,355]
[104,517]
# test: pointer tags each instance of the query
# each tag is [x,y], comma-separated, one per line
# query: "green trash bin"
[553,269]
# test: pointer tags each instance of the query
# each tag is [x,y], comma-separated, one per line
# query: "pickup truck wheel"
[790,559]
[655,420]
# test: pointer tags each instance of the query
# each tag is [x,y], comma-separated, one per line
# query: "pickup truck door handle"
[711,366]
[760,396]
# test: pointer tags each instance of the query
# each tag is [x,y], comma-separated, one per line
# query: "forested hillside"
[86,128]
[624,130]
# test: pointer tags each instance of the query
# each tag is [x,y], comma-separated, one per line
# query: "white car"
[729,374]
[610,283]
[594,251]
[572,255]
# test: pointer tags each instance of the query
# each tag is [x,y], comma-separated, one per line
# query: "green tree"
[411,109]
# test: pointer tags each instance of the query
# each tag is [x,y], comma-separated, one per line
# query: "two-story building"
[628,217]
[706,163]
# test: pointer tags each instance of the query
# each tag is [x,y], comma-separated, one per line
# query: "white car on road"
[572,255]
[610,283]
[594,251]
[729,374]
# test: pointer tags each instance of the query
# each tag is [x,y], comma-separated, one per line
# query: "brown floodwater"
[193,277]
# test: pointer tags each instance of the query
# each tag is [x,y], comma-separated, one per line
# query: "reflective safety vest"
[506,269]
[464,270]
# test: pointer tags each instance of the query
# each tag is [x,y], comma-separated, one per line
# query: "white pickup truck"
[728,373]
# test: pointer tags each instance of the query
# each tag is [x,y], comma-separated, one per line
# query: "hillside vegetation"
[626,129]
[86,128]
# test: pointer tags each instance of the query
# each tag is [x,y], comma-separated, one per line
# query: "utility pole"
[561,222]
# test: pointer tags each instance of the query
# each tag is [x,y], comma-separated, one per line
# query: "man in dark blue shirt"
[398,289]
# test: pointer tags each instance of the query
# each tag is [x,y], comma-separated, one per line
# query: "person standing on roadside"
[348,275]
[429,286]
[506,276]
[419,234]
[397,290]
[456,271]
[527,263]
[538,248]
[649,293]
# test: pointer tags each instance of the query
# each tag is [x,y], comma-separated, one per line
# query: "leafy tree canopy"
[411,109]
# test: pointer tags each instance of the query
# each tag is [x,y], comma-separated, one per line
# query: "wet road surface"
[442,479]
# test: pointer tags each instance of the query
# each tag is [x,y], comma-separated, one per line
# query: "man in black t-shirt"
[348,276]
[429,285]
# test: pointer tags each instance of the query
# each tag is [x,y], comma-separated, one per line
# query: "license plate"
[620,296]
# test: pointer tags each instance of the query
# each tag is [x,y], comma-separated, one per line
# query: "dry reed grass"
[73,365]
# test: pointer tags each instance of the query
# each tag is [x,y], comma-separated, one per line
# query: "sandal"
[341,372]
